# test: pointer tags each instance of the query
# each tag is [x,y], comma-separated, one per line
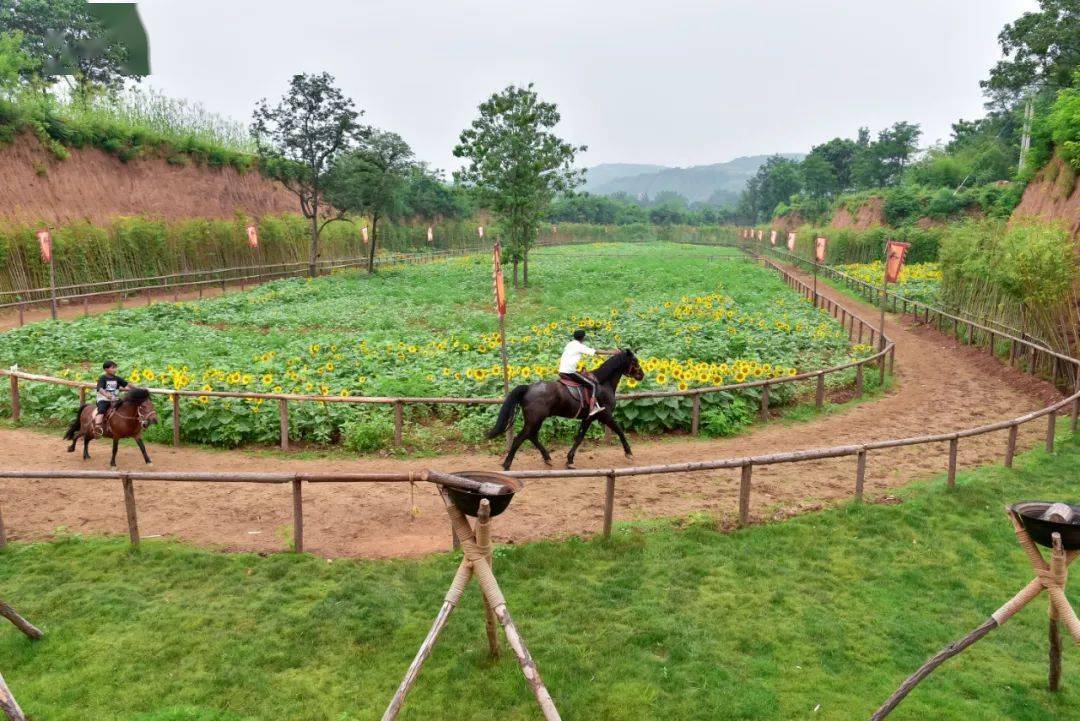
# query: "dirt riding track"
[941,387]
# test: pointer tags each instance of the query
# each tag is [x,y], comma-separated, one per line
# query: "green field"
[668,620]
[697,316]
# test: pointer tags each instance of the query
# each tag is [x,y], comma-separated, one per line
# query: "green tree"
[429,197]
[1041,48]
[63,39]
[371,181]
[299,139]
[517,164]
[840,154]
[14,60]
[818,177]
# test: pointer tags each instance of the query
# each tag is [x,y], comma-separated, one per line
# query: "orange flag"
[497,280]
[45,241]
[253,236]
[894,259]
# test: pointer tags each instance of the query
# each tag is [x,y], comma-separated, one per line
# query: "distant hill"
[721,182]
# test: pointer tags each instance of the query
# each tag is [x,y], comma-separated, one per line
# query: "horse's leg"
[142,447]
[535,438]
[74,441]
[609,420]
[577,441]
[86,447]
[115,445]
[518,440]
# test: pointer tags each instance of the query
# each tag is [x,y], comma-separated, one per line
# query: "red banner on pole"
[791,242]
[45,241]
[253,236]
[895,251]
[819,249]
[497,279]
[363,234]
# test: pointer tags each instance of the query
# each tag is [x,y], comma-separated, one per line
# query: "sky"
[675,83]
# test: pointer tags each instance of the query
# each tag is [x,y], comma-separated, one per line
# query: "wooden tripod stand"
[476,561]
[1050,577]
[8,704]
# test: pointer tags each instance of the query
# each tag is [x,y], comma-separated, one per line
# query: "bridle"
[145,412]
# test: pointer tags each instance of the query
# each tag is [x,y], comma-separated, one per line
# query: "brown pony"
[541,400]
[126,420]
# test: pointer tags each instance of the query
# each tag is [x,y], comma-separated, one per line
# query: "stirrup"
[595,410]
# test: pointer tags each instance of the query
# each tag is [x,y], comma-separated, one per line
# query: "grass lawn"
[818,617]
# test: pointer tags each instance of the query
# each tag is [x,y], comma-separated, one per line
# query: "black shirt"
[110,385]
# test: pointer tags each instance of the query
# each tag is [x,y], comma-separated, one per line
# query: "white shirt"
[571,356]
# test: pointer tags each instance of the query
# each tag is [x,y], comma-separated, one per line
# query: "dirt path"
[941,387]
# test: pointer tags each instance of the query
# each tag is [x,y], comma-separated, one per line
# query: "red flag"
[430,235]
[819,249]
[363,234]
[497,280]
[894,259]
[791,242]
[253,236]
[45,241]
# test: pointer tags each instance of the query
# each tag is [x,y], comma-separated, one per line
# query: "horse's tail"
[506,413]
[75,424]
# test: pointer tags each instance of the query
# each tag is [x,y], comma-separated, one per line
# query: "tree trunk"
[313,255]
[515,271]
[525,269]
[374,238]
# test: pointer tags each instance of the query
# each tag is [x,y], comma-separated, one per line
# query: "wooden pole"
[858,381]
[881,326]
[953,446]
[52,285]
[1053,678]
[398,422]
[298,516]
[695,416]
[283,419]
[129,506]
[175,419]
[483,542]
[860,474]
[29,629]
[1051,426]
[819,397]
[8,704]
[765,402]
[15,407]
[3,531]
[609,504]
[1010,446]
[744,494]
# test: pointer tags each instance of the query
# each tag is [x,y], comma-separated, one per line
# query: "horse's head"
[633,368]
[140,398]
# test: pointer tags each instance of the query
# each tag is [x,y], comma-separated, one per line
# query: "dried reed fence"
[858,330]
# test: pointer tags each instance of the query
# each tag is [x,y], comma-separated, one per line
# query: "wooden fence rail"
[816,376]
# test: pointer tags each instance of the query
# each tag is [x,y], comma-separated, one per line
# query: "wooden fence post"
[860,474]
[858,380]
[298,516]
[8,704]
[695,416]
[1075,407]
[609,504]
[892,358]
[176,419]
[953,447]
[3,531]
[744,494]
[283,418]
[15,406]
[1010,447]
[765,402]
[819,397]
[398,422]
[129,506]
[1051,426]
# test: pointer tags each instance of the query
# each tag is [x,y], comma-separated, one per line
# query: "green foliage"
[847,245]
[1041,52]
[14,60]
[694,318]
[516,163]
[1063,124]
[726,419]
[671,620]
[368,434]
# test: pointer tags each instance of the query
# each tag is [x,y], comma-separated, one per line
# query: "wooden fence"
[859,452]
[857,328]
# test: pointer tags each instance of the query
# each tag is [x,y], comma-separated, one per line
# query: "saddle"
[580,392]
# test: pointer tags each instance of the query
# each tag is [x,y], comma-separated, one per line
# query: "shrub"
[728,419]
[368,434]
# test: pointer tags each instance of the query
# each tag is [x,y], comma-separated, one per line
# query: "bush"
[727,419]
[368,434]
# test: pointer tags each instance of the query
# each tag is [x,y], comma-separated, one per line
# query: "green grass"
[669,620]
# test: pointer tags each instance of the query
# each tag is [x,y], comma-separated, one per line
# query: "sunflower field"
[918,281]
[695,316]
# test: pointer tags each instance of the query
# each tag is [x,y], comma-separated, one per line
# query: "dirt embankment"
[92,185]
[869,215]
[1053,195]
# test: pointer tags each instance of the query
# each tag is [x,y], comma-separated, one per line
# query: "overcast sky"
[672,83]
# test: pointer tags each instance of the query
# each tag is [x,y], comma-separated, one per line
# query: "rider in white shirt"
[568,365]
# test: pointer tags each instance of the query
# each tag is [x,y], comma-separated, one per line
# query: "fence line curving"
[610,475]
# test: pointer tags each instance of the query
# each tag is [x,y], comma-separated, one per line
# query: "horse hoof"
[547,462]
[570,466]
[629,456]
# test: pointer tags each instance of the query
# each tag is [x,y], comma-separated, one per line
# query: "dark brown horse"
[544,399]
[127,420]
